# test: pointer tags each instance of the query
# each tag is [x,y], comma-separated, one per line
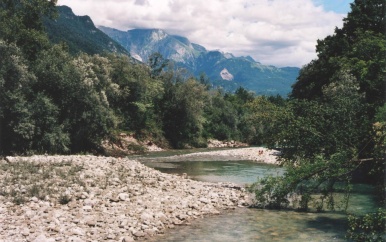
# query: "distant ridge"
[80,34]
[224,69]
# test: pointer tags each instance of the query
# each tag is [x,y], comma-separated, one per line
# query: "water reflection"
[240,172]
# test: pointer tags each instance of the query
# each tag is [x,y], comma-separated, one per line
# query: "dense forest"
[331,128]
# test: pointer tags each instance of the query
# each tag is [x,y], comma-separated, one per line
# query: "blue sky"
[273,32]
[338,6]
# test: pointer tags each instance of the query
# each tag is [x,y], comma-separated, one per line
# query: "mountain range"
[223,69]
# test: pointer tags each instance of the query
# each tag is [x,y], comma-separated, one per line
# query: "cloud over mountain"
[277,32]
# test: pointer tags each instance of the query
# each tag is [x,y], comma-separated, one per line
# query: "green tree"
[16,124]
[328,130]
[182,108]
[78,88]
[138,97]
[221,117]
[262,120]
[323,142]
[28,120]
[49,135]
[157,63]
[370,227]
[358,47]
[21,23]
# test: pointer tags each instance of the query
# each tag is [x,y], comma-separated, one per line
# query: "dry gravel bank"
[89,198]
[258,154]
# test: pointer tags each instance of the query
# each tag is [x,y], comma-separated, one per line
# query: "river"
[244,224]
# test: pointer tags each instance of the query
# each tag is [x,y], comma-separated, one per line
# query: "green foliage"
[271,192]
[339,121]
[326,130]
[16,123]
[380,115]
[79,34]
[359,48]
[300,182]
[78,87]
[262,118]
[222,118]
[183,109]
[136,98]
[370,227]
[322,141]
[156,63]
[49,136]
[91,119]
[21,23]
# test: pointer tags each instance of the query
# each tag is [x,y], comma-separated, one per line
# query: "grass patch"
[22,180]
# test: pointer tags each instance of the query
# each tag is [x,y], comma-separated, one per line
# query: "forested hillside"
[79,34]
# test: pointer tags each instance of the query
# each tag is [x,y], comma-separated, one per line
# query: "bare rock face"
[226,75]
[88,198]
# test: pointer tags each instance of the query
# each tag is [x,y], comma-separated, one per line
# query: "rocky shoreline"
[89,198]
[257,154]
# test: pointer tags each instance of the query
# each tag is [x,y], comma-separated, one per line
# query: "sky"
[273,32]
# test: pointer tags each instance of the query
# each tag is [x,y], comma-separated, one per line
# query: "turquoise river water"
[246,224]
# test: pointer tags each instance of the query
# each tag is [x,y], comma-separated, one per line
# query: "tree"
[359,47]
[28,120]
[157,63]
[49,135]
[261,119]
[323,142]
[221,118]
[138,97]
[183,108]
[17,126]
[328,132]
[92,120]
[21,23]
[78,88]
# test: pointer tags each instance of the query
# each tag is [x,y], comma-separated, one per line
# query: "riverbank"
[257,154]
[89,198]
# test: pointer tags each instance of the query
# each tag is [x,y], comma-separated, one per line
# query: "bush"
[370,227]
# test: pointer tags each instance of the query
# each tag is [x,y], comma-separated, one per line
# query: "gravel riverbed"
[90,198]
[257,154]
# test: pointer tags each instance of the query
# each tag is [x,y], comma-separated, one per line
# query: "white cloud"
[276,32]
